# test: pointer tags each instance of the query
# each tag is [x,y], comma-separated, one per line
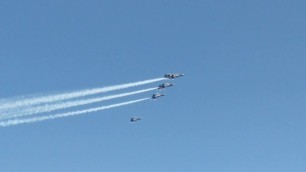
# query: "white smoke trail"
[76,94]
[61,115]
[68,104]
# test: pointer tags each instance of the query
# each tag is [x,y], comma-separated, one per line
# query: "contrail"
[68,104]
[61,115]
[75,94]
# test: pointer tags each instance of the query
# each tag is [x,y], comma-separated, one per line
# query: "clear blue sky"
[240,107]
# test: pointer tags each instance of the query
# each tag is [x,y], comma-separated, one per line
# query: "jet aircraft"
[135,119]
[173,75]
[155,96]
[165,85]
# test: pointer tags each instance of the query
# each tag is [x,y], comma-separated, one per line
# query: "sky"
[240,106]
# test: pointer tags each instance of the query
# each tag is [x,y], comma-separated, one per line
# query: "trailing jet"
[155,96]
[173,75]
[135,119]
[165,85]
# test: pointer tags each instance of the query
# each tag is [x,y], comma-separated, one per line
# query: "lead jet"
[135,119]
[173,75]
[155,96]
[165,85]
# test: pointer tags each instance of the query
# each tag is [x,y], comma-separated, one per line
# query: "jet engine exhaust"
[63,105]
[7,105]
[61,115]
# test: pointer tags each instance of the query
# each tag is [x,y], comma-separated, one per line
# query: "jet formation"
[162,86]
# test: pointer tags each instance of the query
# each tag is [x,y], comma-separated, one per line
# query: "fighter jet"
[155,96]
[135,119]
[173,75]
[165,85]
